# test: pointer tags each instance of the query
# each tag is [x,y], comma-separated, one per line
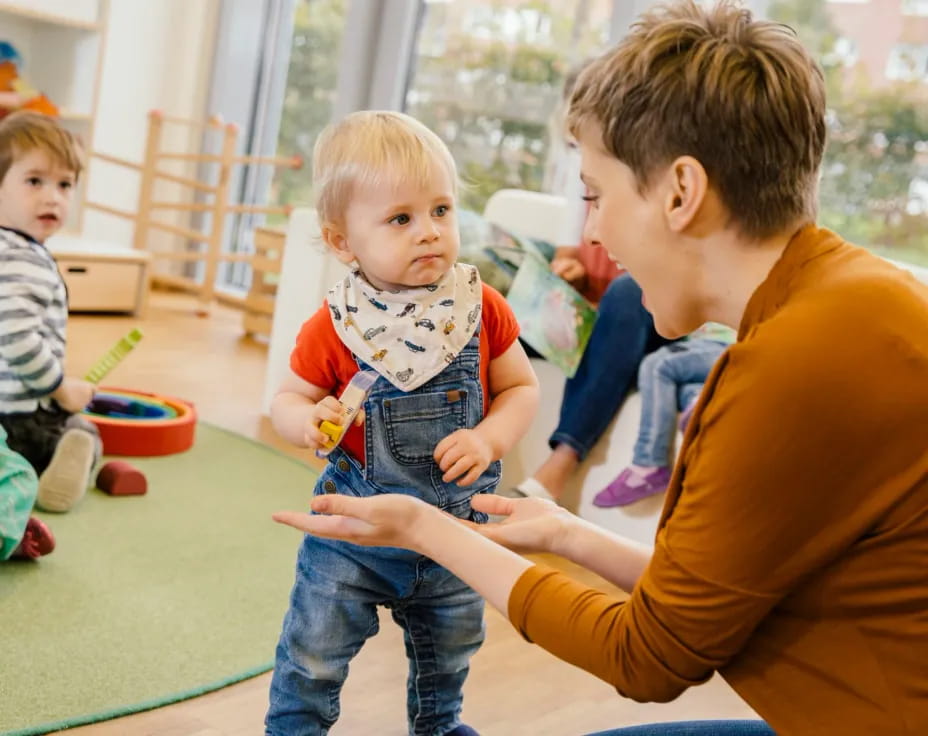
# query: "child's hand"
[73,394]
[463,453]
[329,409]
[568,268]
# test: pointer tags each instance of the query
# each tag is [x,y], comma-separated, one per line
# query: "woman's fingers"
[338,527]
[490,503]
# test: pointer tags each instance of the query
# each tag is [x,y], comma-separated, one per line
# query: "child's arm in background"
[27,353]
[299,408]
[23,347]
[465,454]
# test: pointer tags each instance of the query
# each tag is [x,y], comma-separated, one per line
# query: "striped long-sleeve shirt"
[33,318]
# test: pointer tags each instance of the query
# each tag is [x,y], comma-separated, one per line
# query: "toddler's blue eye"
[400,219]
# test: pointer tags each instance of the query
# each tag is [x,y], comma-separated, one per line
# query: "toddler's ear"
[336,240]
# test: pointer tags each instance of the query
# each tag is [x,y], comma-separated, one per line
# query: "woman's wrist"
[429,530]
[566,526]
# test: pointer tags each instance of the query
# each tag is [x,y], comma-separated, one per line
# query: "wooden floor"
[514,688]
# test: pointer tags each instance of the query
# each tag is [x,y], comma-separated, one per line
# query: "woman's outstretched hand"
[397,520]
[531,524]
[386,520]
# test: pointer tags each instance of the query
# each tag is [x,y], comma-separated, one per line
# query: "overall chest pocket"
[415,424]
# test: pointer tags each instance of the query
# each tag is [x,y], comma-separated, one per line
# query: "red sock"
[37,540]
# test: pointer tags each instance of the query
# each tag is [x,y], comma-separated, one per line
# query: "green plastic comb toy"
[114,356]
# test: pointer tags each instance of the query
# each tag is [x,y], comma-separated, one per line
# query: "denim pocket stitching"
[418,411]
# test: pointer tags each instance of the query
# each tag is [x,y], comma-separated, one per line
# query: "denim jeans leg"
[658,411]
[661,374]
[327,623]
[694,728]
[622,336]
[443,628]
[688,393]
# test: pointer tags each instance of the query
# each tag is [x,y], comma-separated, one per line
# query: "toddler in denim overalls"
[444,346]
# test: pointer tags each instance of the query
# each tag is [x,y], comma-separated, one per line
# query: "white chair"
[532,214]
[543,216]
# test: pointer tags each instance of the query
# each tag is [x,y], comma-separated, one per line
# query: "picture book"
[553,317]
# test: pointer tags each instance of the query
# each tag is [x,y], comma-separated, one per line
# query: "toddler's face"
[35,195]
[404,235]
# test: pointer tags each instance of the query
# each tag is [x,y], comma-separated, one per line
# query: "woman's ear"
[334,237]
[688,184]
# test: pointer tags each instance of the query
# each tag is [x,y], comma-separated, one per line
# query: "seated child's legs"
[674,370]
[67,476]
[62,447]
[333,611]
[64,482]
[443,628]
[35,435]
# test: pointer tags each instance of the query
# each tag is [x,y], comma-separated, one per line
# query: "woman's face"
[632,226]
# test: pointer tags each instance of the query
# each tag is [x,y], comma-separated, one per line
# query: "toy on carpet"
[15,92]
[113,356]
[118,478]
[140,423]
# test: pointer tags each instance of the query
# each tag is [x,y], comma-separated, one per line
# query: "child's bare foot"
[65,480]
[557,470]
[37,541]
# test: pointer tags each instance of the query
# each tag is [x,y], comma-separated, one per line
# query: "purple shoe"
[621,493]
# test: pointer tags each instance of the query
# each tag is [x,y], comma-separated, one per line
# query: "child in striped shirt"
[39,166]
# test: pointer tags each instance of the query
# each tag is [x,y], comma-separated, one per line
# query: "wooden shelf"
[50,18]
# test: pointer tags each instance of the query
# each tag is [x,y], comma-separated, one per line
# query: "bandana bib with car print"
[408,336]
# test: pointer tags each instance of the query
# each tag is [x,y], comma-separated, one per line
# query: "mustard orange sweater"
[792,552]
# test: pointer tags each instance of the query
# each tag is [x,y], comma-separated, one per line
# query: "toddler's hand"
[73,394]
[327,410]
[463,453]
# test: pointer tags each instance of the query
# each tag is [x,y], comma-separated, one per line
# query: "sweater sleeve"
[779,479]
[28,355]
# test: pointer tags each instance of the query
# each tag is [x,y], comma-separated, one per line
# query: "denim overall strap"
[401,430]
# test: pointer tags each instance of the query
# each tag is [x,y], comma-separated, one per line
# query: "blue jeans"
[623,334]
[673,374]
[333,605]
[333,611]
[694,728]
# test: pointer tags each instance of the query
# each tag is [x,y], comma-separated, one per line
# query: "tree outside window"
[487,77]
[317,32]
[874,188]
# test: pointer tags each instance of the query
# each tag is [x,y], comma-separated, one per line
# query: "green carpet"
[152,599]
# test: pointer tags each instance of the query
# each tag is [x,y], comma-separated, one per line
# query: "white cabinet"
[61,43]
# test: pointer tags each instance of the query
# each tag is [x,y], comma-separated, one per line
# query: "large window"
[487,76]
[311,82]
[874,188]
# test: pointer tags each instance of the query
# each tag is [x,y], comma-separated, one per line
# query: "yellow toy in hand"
[352,399]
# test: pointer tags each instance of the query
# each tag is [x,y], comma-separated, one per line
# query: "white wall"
[157,55]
